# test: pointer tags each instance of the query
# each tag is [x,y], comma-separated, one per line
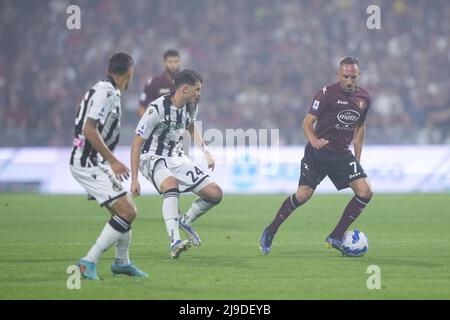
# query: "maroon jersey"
[155,88]
[338,113]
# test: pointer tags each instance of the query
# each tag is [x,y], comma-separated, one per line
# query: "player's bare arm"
[136,147]
[308,129]
[198,141]
[358,140]
[95,139]
[141,110]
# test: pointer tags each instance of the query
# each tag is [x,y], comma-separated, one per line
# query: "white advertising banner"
[395,168]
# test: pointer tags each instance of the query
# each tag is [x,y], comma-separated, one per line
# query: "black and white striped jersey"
[102,103]
[163,126]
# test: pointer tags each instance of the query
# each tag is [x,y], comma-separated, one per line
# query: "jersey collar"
[110,79]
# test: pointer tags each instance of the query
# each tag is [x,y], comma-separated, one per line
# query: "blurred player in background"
[163,84]
[94,166]
[338,113]
[157,151]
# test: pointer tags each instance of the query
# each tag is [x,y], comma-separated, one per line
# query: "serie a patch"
[315,105]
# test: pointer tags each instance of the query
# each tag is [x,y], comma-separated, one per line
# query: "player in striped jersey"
[94,166]
[157,152]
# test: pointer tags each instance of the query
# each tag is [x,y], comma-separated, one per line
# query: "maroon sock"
[289,205]
[351,212]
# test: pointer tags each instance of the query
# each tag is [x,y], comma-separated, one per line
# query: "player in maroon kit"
[339,112]
[163,84]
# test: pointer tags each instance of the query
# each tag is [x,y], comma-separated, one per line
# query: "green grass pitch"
[40,236]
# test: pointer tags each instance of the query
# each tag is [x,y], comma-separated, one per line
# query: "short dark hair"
[189,77]
[349,60]
[119,63]
[171,53]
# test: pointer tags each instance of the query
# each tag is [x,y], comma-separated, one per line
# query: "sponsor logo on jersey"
[172,126]
[348,116]
[164,90]
[342,102]
[354,175]
[345,127]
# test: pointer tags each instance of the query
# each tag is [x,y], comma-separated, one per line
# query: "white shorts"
[189,176]
[99,182]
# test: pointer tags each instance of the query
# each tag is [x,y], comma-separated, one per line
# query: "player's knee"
[215,194]
[134,211]
[218,194]
[303,195]
[129,213]
[365,193]
[125,208]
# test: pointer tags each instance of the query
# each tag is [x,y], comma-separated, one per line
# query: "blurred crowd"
[262,62]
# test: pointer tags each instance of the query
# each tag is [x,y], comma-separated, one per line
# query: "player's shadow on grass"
[366,260]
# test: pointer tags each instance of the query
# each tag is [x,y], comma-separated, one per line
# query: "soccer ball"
[355,243]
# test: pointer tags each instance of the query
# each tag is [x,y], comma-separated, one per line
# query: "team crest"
[116,186]
[361,104]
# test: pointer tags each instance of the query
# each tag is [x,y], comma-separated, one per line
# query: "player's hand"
[319,143]
[135,188]
[210,160]
[120,170]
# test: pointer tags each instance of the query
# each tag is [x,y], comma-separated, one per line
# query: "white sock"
[106,239]
[122,249]
[112,231]
[170,214]
[199,207]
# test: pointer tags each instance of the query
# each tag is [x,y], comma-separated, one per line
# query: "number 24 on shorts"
[198,172]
